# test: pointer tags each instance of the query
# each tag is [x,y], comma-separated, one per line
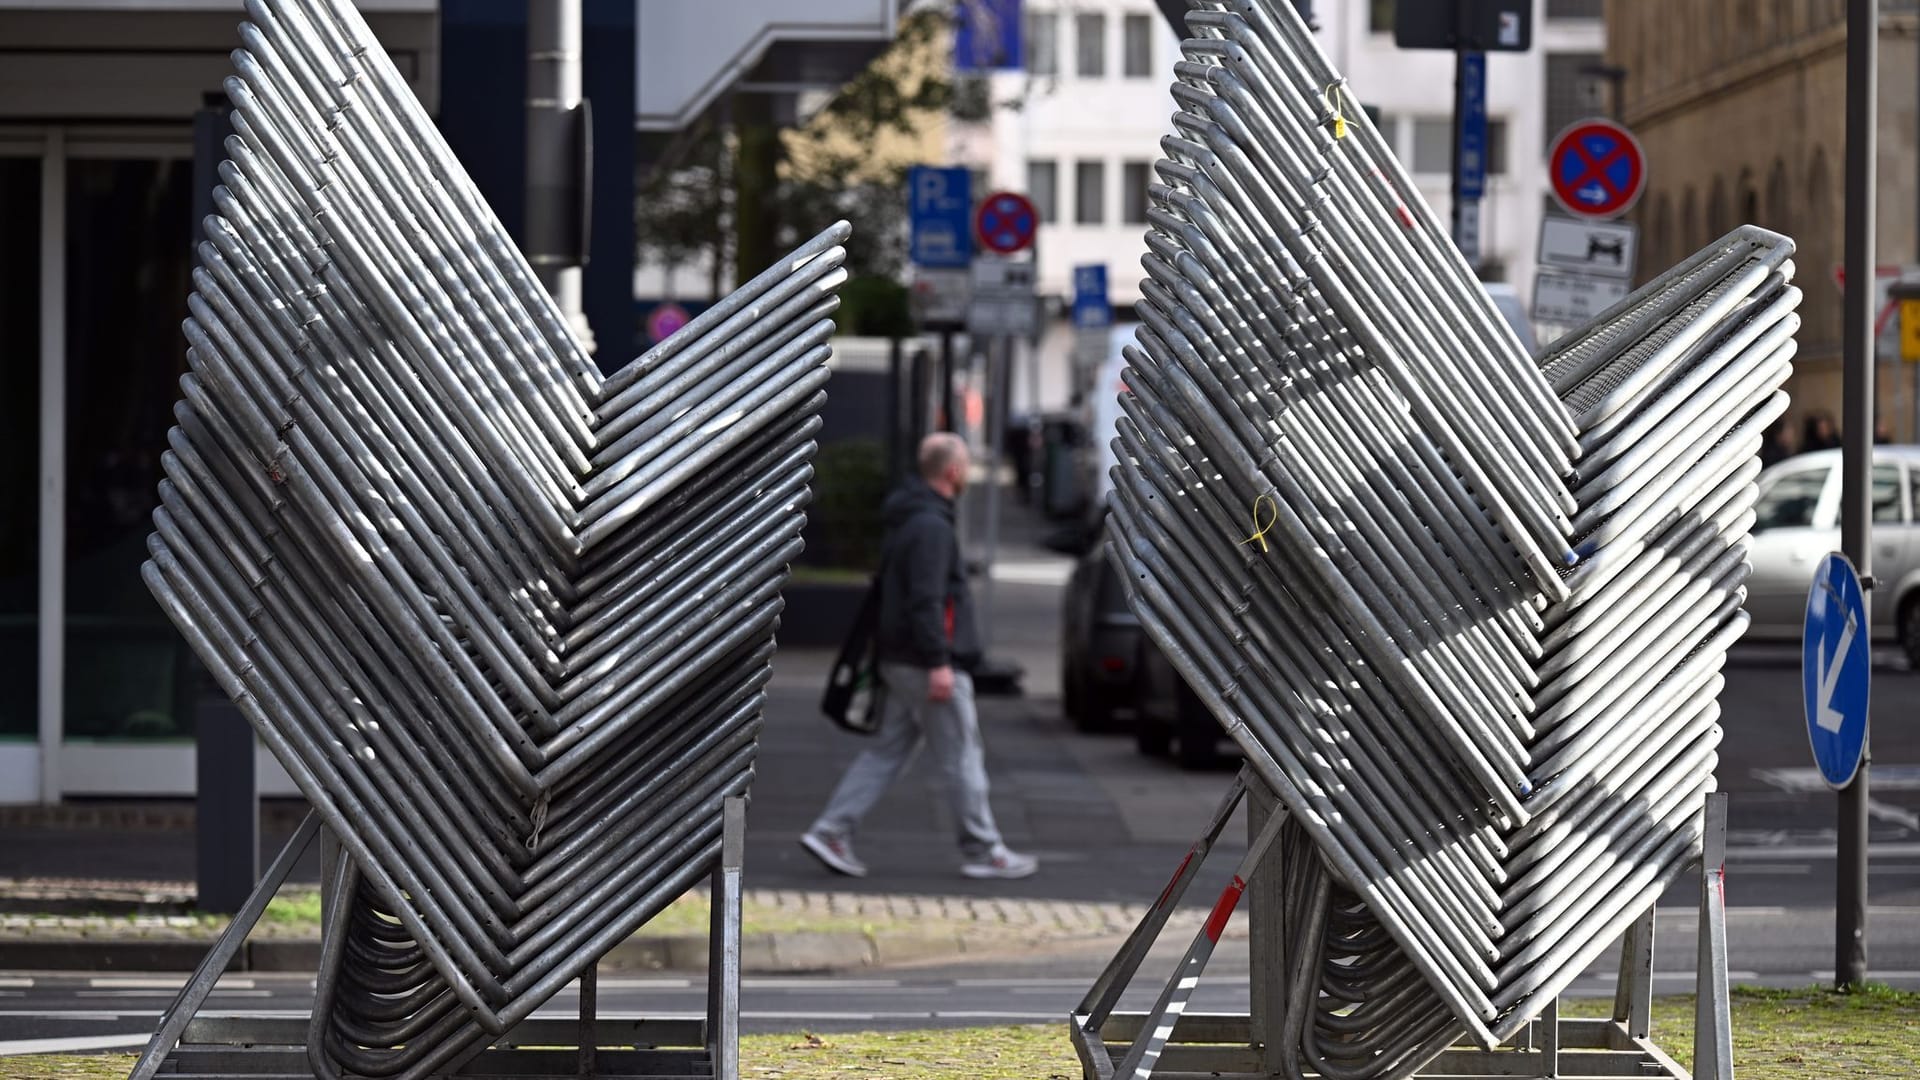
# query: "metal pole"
[948,422]
[556,180]
[1856,509]
[53,462]
[998,355]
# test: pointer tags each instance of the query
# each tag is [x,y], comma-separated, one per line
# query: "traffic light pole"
[1856,510]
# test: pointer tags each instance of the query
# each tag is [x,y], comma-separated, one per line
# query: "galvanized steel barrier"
[1463,611]
[505,622]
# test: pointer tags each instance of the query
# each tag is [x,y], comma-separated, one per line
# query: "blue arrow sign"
[940,216]
[1835,668]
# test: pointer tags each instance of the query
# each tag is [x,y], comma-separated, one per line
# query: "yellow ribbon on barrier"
[1260,531]
[1339,121]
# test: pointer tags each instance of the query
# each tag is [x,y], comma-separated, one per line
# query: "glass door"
[128,234]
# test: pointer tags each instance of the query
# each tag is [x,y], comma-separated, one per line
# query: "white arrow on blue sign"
[1836,665]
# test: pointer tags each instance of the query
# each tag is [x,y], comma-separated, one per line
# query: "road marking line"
[16,984]
[103,983]
[638,984]
[1896,778]
[1818,851]
[775,982]
[1878,975]
[75,1044]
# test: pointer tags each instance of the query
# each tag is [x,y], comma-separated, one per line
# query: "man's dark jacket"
[926,612]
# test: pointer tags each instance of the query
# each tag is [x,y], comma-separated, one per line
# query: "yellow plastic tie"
[1339,121]
[1260,531]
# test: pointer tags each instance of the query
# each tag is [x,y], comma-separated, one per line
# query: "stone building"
[1740,106]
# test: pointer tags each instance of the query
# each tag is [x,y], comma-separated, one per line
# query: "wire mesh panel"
[1463,610]
[505,622]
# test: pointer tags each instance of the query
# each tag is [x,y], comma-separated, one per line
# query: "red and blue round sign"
[1597,169]
[1005,222]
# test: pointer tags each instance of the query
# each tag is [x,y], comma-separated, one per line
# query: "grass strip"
[1777,1034]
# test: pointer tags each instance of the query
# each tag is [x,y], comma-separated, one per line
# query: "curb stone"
[776,953]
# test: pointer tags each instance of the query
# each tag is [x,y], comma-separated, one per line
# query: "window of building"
[1137,46]
[1572,95]
[1389,128]
[1089,192]
[1380,16]
[1043,189]
[1135,176]
[1432,144]
[1043,43]
[1090,45]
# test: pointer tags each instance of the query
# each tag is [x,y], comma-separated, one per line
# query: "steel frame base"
[188,1044]
[1170,1044]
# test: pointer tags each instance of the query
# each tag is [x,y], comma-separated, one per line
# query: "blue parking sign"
[940,215]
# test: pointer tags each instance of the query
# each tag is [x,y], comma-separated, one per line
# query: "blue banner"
[1471,155]
[987,36]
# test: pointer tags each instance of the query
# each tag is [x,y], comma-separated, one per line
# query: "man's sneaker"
[835,851]
[1000,863]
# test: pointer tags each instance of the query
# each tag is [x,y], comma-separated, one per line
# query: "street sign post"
[1006,222]
[1003,303]
[1464,25]
[1605,248]
[1835,669]
[1597,169]
[939,205]
[1572,299]
[1469,151]
[1091,308]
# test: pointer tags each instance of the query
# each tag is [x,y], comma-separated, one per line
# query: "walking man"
[928,641]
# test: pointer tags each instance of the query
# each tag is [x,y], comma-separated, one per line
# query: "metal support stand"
[1169,1042]
[189,1044]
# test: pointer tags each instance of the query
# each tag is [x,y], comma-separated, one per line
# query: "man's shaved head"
[940,452]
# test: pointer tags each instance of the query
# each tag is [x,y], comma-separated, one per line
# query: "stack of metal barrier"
[1463,611]
[506,623]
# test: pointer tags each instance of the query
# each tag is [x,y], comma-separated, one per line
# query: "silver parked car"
[1798,520]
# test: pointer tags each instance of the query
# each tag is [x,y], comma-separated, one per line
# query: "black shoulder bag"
[855,698]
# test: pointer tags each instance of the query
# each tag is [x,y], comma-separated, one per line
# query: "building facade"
[97,209]
[1094,103]
[1740,108]
[102,179]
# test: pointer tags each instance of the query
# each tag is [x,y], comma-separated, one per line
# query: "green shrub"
[849,483]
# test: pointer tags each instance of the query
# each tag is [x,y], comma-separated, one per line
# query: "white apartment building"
[1095,104]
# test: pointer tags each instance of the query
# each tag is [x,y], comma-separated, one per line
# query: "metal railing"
[506,623]
[1463,611]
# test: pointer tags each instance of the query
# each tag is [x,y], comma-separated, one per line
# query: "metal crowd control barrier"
[1463,611]
[505,622]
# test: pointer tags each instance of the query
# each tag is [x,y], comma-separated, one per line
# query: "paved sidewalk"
[785,931]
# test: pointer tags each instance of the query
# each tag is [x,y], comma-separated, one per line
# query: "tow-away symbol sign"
[1835,666]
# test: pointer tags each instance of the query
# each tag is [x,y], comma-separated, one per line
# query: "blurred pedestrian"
[928,642]
[1773,444]
[1819,433]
